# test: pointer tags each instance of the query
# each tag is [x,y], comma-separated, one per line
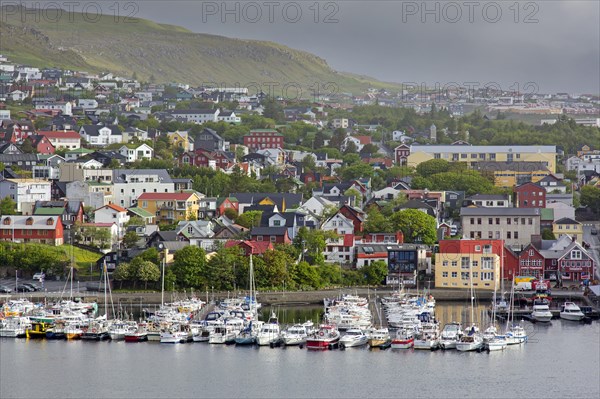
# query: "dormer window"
[7,221]
[50,221]
[29,221]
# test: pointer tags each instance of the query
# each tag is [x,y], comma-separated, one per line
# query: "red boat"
[327,337]
[137,336]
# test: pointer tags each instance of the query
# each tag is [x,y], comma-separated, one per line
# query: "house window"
[278,223]
[454,263]
[445,263]
[273,238]
[475,263]
[444,274]
[575,254]
[454,274]
[259,238]
[531,252]
[516,235]
[464,275]
[508,235]
[464,263]
[477,248]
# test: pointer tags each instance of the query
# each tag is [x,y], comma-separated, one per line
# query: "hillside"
[167,53]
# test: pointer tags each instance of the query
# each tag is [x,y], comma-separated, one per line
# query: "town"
[322,192]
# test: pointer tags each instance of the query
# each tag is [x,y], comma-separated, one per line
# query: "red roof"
[257,247]
[165,196]
[364,139]
[115,207]
[65,134]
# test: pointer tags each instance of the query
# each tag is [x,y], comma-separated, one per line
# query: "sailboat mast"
[105,275]
[162,289]
[472,294]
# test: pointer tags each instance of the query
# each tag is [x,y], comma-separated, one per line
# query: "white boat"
[297,334]
[516,335]
[14,327]
[541,313]
[176,334]
[404,339]
[497,343]
[353,338]
[222,334]
[269,333]
[450,335]
[118,330]
[470,342]
[570,311]
[428,337]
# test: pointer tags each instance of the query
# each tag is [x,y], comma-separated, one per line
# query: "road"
[594,241]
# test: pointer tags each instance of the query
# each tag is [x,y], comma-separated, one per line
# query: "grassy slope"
[168,52]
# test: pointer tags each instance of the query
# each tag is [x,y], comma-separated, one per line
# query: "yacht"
[450,335]
[118,330]
[541,313]
[516,335]
[14,327]
[428,338]
[269,333]
[570,311]
[297,334]
[222,334]
[497,343]
[470,341]
[176,334]
[353,337]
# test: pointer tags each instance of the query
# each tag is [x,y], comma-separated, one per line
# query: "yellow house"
[180,140]
[171,207]
[511,174]
[568,227]
[462,262]
[471,154]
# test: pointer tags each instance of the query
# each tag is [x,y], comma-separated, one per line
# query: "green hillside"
[167,53]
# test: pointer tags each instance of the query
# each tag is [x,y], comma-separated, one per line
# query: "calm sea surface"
[560,360]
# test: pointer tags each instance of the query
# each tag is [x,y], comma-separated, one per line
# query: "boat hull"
[542,318]
[136,338]
[321,344]
[173,338]
[354,343]
[403,343]
[496,346]
[468,346]
[572,316]
[291,341]
[448,344]
[426,344]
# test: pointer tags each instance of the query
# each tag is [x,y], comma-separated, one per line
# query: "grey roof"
[162,174]
[489,197]
[566,221]
[483,148]
[92,130]
[193,111]
[499,211]
[370,248]
[291,199]
[268,231]
[12,158]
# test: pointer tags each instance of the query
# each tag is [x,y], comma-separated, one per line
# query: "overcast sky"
[553,43]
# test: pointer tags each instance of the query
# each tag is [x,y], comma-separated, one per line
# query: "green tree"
[351,148]
[376,222]
[590,197]
[249,219]
[273,110]
[356,196]
[417,226]
[375,273]
[130,239]
[148,272]
[338,138]
[547,234]
[122,273]
[305,276]
[189,267]
[7,206]
[433,166]
[27,147]
[152,255]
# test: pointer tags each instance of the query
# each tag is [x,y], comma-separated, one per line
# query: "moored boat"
[353,338]
[297,334]
[327,337]
[541,313]
[571,311]
[404,339]
[379,337]
[37,329]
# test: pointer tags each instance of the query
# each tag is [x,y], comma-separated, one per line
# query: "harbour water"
[559,360]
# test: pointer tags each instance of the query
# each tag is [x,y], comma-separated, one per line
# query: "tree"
[151,255]
[369,149]
[147,271]
[338,138]
[189,267]
[417,226]
[7,206]
[547,234]
[249,219]
[432,167]
[356,196]
[114,164]
[27,147]
[351,148]
[590,197]
[133,221]
[122,273]
[130,239]
[376,222]
[273,110]
[375,273]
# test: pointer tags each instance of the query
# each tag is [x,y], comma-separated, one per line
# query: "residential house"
[366,254]
[67,139]
[42,145]
[100,135]
[405,263]
[359,142]
[70,212]
[224,203]
[568,227]
[170,207]
[181,140]
[64,107]
[208,208]
[197,115]
[21,161]
[209,140]
[228,117]
[92,193]
[318,204]
[129,184]
[199,233]
[259,139]
[133,132]
[489,200]
[560,211]
[25,192]
[32,229]
[77,153]
[135,152]
[275,235]
[112,213]
[552,184]
[339,224]
[515,225]
[530,195]
[250,247]
[460,263]
[356,215]
[283,201]
[340,249]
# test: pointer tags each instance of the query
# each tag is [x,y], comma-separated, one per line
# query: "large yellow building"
[511,174]
[170,207]
[462,262]
[471,154]
[568,227]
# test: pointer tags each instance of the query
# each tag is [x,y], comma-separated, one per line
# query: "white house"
[87,103]
[24,191]
[339,224]
[199,233]
[112,213]
[131,132]
[4,114]
[65,107]
[197,115]
[137,153]
[67,139]
[99,135]
[229,117]
[17,95]
[129,184]
[317,205]
[386,193]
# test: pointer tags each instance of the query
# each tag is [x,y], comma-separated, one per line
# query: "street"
[594,241]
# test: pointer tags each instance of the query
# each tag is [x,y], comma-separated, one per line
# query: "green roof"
[141,212]
[80,151]
[546,214]
[49,211]
[97,183]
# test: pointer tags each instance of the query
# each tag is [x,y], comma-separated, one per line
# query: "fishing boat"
[119,329]
[379,337]
[138,334]
[353,338]
[404,339]
[97,330]
[176,334]
[541,313]
[297,334]
[450,335]
[56,331]
[327,337]
[222,334]
[571,311]
[37,329]
[73,331]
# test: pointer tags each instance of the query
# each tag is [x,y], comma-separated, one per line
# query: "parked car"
[24,288]
[33,286]
[5,290]
[39,276]
[594,231]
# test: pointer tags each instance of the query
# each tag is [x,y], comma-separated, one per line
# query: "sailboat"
[493,341]
[472,339]
[515,334]
[98,329]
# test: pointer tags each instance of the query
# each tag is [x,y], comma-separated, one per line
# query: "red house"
[259,139]
[356,215]
[225,203]
[511,264]
[42,145]
[274,235]
[251,247]
[34,229]
[530,195]
[531,262]
[401,154]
